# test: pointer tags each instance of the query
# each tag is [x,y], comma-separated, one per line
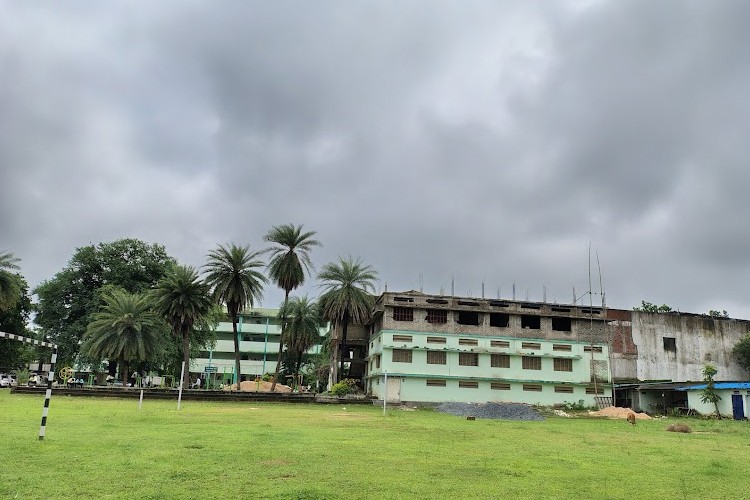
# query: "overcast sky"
[485,141]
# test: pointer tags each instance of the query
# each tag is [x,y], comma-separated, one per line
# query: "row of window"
[473,318]
[533,346]
[505,386]
[472,359]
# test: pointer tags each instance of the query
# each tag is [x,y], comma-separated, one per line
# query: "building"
[436,348]
[259,330]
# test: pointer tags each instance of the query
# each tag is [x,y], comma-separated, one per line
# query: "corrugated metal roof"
[717,385]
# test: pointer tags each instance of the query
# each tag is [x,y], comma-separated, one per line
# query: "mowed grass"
[107,448]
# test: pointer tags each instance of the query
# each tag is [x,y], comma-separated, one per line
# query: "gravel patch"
[506,411]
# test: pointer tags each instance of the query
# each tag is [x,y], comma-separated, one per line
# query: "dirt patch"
[251,386]
[617,412]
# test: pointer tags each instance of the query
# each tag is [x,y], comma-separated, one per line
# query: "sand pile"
[252,386]
[616,412]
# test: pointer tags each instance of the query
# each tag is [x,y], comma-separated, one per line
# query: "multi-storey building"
[436,348]
[259,331]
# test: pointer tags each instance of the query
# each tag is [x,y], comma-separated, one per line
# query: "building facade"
[435,348]
[259,331]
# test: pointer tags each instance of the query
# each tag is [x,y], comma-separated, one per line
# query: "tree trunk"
[299,365]
[343,352]
[125,374]
[718,414]
[236,351]
[334,357]
[186,358]
[281,342]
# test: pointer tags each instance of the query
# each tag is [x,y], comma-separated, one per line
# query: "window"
[468,303]
[562,347]
[437,301]
[435,383]
[500,361]
[531,322]
[402,338]
[495,303]
[566,389]
[563,365]
[532,387]
[468,359]
[468,384]
[436,357]
[403,299]
[499,386]
[591,390]
[468,318]
[592,348]
[377,361]
[436,340]
[401,356]
[403,314]
[670,344]
[531,363]
[500,320]
[499,343]
[531,345]
[468,342]
[561,324]
[437,316]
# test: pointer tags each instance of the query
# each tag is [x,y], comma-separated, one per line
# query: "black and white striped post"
[50,375]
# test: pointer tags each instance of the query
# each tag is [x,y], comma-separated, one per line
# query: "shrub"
[341,389]
[679,428]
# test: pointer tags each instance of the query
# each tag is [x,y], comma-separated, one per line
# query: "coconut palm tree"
[183,299]
[126,329]
[302,323]
[346,299]
[290,259]
[10,284]
[232,274]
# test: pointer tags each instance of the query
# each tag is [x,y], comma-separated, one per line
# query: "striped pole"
[48,394]
[50,375]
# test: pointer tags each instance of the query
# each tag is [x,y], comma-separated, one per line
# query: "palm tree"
[346,299]
[234,280]
[126,329]
[10,284]
[302,323]
[183,300]
[290,258]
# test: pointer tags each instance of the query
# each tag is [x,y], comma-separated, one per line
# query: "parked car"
[35,379]
[4,380]
[13,379]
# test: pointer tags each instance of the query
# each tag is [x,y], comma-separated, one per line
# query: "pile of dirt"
[617,412]
[262,386]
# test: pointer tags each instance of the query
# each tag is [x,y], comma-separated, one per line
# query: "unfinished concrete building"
[436,348]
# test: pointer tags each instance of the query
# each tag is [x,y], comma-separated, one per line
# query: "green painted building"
[259,331]
[436,348]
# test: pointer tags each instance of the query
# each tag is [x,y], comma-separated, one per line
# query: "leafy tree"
[232,273]
[346,299]
[302,323]
[10,283]
[68,301]
[183,300]
[14,354]
[742,351]
[718,314]
[290,259]
[126,329]
[652,308]
[709,394]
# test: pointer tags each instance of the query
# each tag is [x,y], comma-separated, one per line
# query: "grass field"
[107,448]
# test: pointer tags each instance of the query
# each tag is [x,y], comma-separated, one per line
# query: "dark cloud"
[476,142]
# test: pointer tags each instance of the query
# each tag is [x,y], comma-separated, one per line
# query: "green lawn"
[107,448]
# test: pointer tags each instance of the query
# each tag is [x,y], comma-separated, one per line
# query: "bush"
[346,386]
[679,428]
[268,377]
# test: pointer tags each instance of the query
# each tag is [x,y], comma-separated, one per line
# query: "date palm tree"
[183,300]
[10,284]
[302,323]
[346,299]
[289,261]
[232,273]
[126,329]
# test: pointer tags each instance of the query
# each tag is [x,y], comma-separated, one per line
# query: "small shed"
[735,399]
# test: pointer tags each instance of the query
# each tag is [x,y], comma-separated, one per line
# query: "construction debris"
[617,412]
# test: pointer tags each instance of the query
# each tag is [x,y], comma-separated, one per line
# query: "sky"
[469,142]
